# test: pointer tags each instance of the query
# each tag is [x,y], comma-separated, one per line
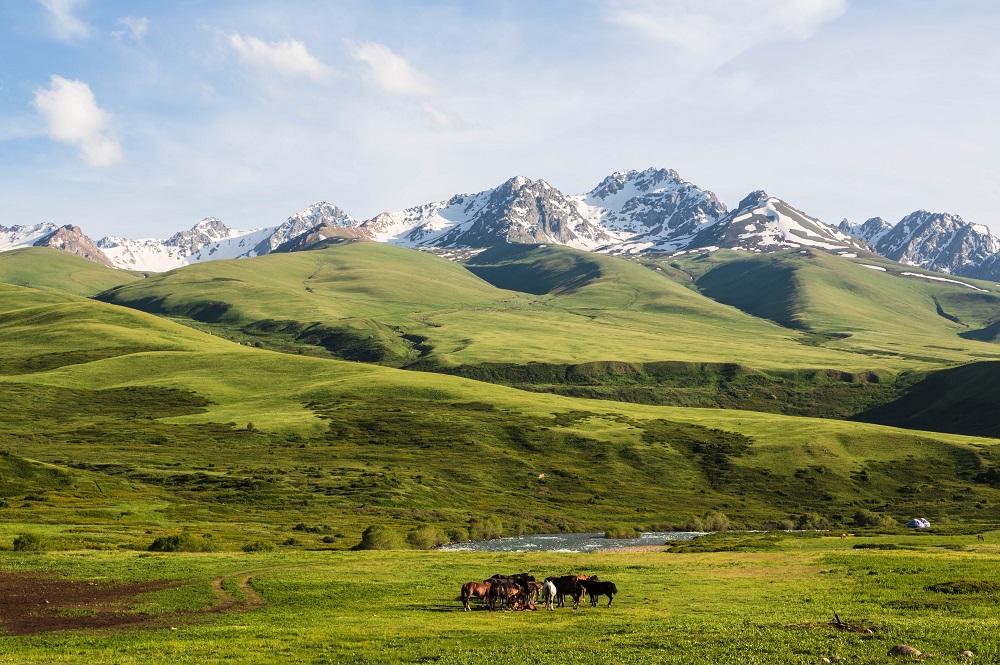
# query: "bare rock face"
[72,239]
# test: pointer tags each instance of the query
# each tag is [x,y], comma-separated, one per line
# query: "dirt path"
[224,600]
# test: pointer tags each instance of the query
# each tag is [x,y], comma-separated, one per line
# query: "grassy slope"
[720,608]
[348,444]
[884,314]
[619,311]
[46,268]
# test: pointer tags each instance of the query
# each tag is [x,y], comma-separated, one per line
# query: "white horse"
[549,594]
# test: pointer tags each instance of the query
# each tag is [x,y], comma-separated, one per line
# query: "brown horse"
[470,590]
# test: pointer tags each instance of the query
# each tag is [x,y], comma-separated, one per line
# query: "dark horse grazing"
[567,585]
[596,588]
[470,590]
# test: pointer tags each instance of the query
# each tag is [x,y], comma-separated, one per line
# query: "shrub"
[259,546]
[715,521]
[183,542]
[29,542]
[621,532]
[486,528]
[693,523]
[329,539]
[458,535]
[868,518]
[378,537]
[426,537]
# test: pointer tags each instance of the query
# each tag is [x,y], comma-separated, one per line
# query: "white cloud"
[716,31]
[135,28]
[62,21]
[287,57]
[74,117]
[390,71]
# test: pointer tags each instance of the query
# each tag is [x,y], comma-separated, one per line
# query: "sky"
[140,118]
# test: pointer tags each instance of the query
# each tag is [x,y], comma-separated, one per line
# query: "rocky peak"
[72,239]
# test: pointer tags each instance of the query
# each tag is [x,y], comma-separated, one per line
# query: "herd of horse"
[522,591]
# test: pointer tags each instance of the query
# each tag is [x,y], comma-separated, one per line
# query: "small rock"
[824,659]
[903,650]
[966,654]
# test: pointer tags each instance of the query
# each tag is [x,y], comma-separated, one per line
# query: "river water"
[568,542]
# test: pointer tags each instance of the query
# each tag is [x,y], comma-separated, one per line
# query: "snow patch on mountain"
[207,240]
[14,237]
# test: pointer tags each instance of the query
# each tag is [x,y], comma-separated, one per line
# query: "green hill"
[242,441]
[865,305]
[373,302]
[46,268]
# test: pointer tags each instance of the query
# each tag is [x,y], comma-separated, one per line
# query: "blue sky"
[139,118]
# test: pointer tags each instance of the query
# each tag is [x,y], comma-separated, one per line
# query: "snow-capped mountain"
[628,212]
[520,210]
[765,223]
[208,239]
[871,231]
[13,237]
[319,214]
[936,241]
[651,210]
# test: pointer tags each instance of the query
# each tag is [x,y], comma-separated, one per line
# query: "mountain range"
[628,212]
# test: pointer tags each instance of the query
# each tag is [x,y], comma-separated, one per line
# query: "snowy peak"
[939,241]
[13,237]
[207,231]
[319,214]
[871,230]
[654,209]
[519,210]
[767,223]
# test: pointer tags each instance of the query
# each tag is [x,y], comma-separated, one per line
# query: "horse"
[567,585]
[505,591]
[470,590]
[549,594]
[980,537]
[596,588]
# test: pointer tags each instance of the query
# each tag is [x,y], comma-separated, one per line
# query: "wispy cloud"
[390,71]
[134,28]
[63,22]
[289,57]
[74,117]
[716,31]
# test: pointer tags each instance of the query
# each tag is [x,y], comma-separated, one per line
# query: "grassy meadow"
[771,604]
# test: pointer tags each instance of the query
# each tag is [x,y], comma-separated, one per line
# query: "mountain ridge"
[631,212]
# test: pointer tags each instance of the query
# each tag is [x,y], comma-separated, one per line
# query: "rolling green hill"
[46,268]
[243,441]
[372,302]
[866,305]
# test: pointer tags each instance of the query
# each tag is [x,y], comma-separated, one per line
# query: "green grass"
[372,302]
[846,305]
[45,268]
[721,608]
[351,444]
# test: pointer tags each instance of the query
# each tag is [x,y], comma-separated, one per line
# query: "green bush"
[486,528]
[458,535]
[183,542]
[621,532]
[426,537]
[872,519]
[378,537]
[260,546]
[715,521]
[965,587]
[29,542]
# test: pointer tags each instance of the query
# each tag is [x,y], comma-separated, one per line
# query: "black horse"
[596,588]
